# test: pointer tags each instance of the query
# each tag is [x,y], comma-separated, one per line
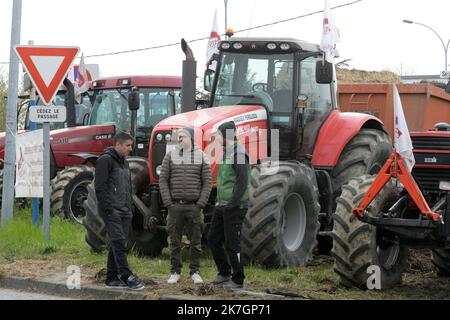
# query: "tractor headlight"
[225,45]
[158,170]
[237,45]
[159,137]
[444,185]
[285,46]
[271,46]
[168,137]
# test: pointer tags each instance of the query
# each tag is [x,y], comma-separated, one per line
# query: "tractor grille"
[431,143]
[158,152]
[429,178]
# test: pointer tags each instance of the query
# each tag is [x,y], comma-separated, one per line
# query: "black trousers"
[224,240]
[117,227]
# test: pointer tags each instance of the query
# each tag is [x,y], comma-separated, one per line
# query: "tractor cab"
[156,102]
[283,75]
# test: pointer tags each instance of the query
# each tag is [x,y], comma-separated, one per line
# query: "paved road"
[7,294]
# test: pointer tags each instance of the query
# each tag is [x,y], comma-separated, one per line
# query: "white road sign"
[29,166]
[42,114]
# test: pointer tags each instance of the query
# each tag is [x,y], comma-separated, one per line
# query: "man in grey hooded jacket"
[185,183]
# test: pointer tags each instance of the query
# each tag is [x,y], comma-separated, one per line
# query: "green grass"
[20,239]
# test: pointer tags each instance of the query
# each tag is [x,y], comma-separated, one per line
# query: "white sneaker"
[174,277]
[196,278]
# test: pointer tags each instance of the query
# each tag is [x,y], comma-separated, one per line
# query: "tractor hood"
[212,118]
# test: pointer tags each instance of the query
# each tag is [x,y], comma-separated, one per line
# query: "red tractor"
[379,217]
[270,88]
[74,150]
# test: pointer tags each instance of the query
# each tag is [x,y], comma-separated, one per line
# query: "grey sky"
[372,32]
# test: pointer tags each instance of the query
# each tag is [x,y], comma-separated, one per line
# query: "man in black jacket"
[113,191]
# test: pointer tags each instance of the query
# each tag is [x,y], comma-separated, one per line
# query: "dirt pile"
[362,76]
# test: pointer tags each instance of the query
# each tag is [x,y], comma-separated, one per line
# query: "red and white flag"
[213,43]
[402,139]
[330,34]
[81,82]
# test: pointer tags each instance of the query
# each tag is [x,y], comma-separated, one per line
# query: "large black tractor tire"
[356,245]
[441,261]
[366,153]
[69,190]
[281,225]
[144,242]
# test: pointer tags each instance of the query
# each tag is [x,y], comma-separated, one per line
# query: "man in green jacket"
[232,202]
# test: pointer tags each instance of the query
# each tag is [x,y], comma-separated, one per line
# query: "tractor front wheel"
[69,190]
[281,225]
[357,245]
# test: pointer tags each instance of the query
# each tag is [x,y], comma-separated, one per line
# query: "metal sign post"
[46,204]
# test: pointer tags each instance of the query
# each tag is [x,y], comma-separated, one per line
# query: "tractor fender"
[337,132]
[87,157]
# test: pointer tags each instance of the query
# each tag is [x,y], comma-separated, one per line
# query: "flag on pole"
[402,139]
[330,34]
[213,43]
[81,82]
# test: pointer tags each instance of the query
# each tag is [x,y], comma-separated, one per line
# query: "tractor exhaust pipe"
[189,78]
[70,104]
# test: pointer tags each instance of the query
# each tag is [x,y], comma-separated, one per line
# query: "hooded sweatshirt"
[113,183]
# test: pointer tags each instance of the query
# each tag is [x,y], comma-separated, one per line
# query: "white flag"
[402,139]
[213,42]
[330,34]
[81,82]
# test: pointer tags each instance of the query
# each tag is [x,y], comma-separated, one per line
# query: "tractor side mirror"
[208,79]
[134,100]
[324,72]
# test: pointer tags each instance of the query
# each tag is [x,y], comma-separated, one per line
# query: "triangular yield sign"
[47,67]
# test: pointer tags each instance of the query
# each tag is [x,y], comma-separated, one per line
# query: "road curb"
[86,291]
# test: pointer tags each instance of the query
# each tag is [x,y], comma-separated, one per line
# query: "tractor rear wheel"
[281,225]
[356,245]
[366,153]
[441,260]
[69,190]
[145,242]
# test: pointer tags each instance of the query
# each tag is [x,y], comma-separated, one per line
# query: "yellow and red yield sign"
[47,67]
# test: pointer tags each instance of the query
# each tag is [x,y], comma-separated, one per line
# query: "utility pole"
[226,15]
[11,117]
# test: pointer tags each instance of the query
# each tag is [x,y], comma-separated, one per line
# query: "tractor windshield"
[111,106]
[256,79]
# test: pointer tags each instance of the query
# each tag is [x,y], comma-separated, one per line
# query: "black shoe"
[232,286]
[134,283]
[220,280]
[115,284]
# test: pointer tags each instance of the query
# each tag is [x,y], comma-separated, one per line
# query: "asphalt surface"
[7,294]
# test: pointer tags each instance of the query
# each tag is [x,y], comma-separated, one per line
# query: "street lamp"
[445,46]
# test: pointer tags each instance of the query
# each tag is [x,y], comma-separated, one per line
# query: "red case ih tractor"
[267,86]
[378,218]
[74,150]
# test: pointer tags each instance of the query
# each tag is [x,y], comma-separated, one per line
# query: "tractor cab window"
[111,106]
[319,102]
[257,79]
[157,104]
